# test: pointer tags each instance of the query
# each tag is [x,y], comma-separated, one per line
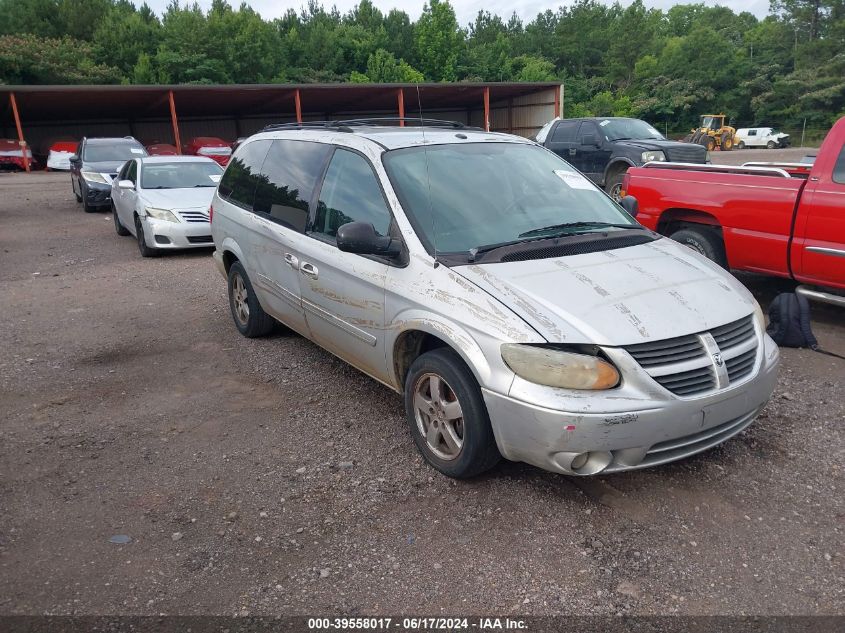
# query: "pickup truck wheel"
[249,316]
[771,145]
[447,415]
[613,187]
[704,241]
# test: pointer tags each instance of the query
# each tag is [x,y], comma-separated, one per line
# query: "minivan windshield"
[180,175]
[107,152]
[624,129]
[469,196]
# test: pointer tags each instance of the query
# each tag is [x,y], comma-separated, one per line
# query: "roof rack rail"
[346,125]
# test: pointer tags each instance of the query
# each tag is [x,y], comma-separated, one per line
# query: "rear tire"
[247,313]
[447,415]
[118,227]
[705,242]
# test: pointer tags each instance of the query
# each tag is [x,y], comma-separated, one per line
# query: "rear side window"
[839,168]
[565,131]
[241,179]
[350,193]
[289,175]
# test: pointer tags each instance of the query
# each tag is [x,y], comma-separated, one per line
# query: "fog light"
[579,461]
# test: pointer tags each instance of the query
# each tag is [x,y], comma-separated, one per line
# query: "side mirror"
[126,184]
[630,204]
[589,139]
[74,158]
[361,238]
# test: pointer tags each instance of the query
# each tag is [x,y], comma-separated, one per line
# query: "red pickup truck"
[785,219]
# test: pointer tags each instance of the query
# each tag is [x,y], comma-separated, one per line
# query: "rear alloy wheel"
[118,227]
[145,250]
[704,241]
[249,316]
[447,415]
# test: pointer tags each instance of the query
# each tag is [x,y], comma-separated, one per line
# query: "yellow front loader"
[713,133]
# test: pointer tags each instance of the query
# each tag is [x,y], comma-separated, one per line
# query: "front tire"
[75,195]
[145,250]
[771,145]
[249,316]
[704,241]
[447,415]
[85,206]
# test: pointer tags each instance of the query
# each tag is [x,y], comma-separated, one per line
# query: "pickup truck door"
[818,246]
[563,142]
[593,151]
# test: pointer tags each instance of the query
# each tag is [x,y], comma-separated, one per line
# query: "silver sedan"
[164,201]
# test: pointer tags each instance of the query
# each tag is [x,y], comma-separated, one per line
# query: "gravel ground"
[267,477]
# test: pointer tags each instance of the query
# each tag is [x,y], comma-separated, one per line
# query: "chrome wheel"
[439,417]
[240,299]
[616,192]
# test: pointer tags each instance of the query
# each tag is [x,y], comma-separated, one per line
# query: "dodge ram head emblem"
[717,358]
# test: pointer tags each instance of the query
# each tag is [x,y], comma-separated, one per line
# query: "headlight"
[554,368]
[758,316]
[652,156]
[161,214]
[93,176]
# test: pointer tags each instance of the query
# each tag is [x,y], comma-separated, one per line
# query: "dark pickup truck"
[603,149]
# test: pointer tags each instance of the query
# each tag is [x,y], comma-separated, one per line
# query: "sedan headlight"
[555,368]
[653,156]
[161,214]
[93,176]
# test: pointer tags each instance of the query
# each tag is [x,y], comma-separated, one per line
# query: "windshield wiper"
[562,228]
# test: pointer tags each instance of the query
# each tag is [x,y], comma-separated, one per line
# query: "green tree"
[438,41]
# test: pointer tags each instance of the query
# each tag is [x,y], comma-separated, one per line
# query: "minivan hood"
[179,198]
[625,296]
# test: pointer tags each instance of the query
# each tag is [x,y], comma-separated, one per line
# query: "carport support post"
[486,108]
[557,100]
[175,122]
[400,95]
[298,104]
[21,140]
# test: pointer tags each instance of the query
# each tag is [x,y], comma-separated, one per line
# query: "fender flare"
[229,244]
[613,164]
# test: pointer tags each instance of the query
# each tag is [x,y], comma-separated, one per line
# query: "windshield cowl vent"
[603,243]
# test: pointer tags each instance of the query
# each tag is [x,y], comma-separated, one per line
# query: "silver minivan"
[522,313]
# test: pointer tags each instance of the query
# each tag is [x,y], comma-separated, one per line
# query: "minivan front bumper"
[595,440]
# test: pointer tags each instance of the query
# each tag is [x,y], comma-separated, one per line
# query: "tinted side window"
[752,132]
[288,177]
[239,182]
[350,193]
[587,127]
[839,168]
[565,131]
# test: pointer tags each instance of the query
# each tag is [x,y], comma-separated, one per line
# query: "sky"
[466,10]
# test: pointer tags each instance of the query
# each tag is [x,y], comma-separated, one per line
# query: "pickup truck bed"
[776,219]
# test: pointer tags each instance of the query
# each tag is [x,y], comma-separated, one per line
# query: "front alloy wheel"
[439,417]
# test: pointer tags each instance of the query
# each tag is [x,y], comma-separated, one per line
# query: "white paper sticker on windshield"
[603,123]
[214,177]
[573,179]
[136,150]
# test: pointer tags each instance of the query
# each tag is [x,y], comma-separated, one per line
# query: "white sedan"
[164,200]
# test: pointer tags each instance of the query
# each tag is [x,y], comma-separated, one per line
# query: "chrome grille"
[193,215]
[689,153]
[703,362]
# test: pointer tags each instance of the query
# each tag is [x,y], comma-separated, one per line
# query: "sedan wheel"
[439,417]
[146,251]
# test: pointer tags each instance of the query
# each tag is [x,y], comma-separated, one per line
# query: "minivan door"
[818,246]
[343,293]
[285,186]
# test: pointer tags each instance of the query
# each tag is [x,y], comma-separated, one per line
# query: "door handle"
[292,261]
[572,151]
[308,269]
